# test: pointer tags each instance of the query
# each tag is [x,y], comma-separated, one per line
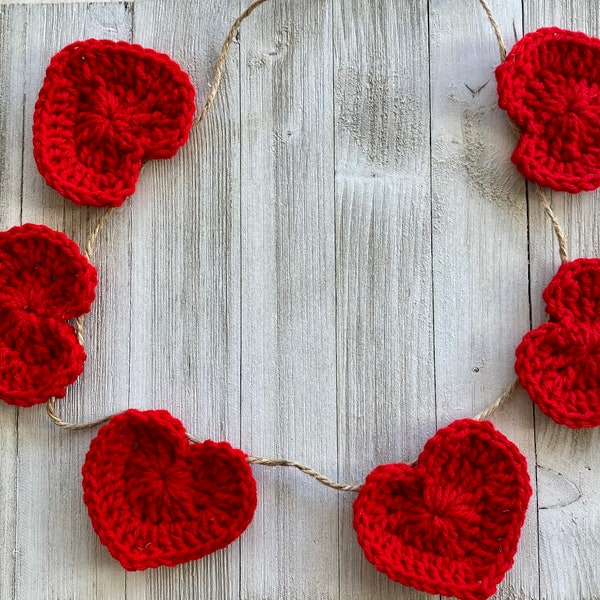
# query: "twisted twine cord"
[53,415]
[88,252]
[80,332]
[558,230]
[222,61]
[496,28]
[253,460]
[281,462]
[507,395]
[278,462]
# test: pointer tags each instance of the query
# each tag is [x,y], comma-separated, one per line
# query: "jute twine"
[214,88]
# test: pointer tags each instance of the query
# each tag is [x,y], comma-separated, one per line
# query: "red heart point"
[450,524]
[156,499]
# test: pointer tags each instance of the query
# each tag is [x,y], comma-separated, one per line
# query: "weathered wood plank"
[336,264]
[185,269]
[479,242]
[58,554]
[12,54]
[384,287]
[288,296]
[569,469]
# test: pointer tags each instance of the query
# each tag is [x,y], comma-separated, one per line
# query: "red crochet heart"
[550,87]
[104,109]
[156,499]
[44,281]
[450,523]
[559,362]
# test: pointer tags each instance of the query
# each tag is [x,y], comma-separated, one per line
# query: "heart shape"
[559,362]
[549,85]
[156,499]
[104,109]
[450,523]
[44,281]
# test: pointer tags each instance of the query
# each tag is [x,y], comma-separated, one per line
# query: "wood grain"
[383,238]
[185,273]
[569,514]
[480,243]
[54,537]
[288,373]
[12,44]
[341,260]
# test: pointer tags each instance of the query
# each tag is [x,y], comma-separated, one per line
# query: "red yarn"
[558,363]
[104,109]
[156,499]
[550,87]
[450,523]
[44,281]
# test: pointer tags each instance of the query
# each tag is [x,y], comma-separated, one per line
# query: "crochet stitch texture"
[550,87]
[156,499]
[104,109]
[558,363]
[450,523]
[44,282]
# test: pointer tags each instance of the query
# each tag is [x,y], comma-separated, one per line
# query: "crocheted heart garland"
[44,281]
[156,499]
[550,87]
[104,109]
[450,523]
[558,363]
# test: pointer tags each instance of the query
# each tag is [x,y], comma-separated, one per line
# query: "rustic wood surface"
[341,260]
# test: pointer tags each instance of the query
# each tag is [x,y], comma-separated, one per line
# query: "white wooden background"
[341,260]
